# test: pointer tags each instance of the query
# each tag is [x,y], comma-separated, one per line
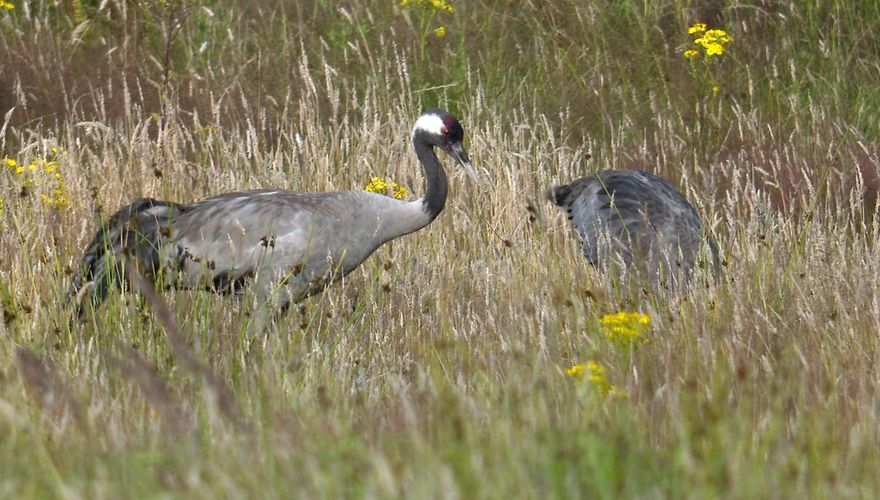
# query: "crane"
[285,245]
[634,218]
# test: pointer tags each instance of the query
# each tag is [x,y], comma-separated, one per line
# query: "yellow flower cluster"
[711,41]
[6,5]
[431,6]
[43,175]
[576,370]
[435,5]
[595,375]
[393,189]
[625,328]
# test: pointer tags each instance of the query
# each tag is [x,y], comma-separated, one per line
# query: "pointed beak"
[456,149]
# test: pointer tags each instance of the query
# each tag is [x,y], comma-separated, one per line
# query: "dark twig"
[188,361]
[51,390]
[155,389]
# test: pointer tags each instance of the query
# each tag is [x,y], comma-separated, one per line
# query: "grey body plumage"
[637,220]
[286,245]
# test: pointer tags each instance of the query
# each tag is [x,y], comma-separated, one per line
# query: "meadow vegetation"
[482,356]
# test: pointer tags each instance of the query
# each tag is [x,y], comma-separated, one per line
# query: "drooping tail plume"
[138,232]
[559,195]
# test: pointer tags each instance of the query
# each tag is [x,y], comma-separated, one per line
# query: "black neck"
[435,178]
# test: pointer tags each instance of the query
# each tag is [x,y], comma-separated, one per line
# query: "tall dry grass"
[437,369]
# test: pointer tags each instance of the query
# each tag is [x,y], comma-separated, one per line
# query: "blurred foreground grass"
[440,368]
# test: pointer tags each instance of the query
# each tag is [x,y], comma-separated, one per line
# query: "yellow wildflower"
[376,185]
[594,372]
[715,89]
[719,36]
[6,5]
[626,329]
[57,199]
[595,375]
[399,192]
[41,176]
[697,28]
[431,7]
[435,5]
[712,41]
[576,370]
[381,186]
[714,49]
[443,5]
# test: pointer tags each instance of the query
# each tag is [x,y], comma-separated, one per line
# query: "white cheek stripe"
[430,123]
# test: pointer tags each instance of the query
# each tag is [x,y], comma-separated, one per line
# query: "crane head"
[443,130]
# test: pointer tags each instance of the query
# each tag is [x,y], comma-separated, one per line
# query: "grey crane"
[636,220]
[285,245]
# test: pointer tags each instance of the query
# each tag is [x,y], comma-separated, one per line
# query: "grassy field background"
[438,369]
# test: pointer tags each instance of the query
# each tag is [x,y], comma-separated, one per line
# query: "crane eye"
[452,129]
